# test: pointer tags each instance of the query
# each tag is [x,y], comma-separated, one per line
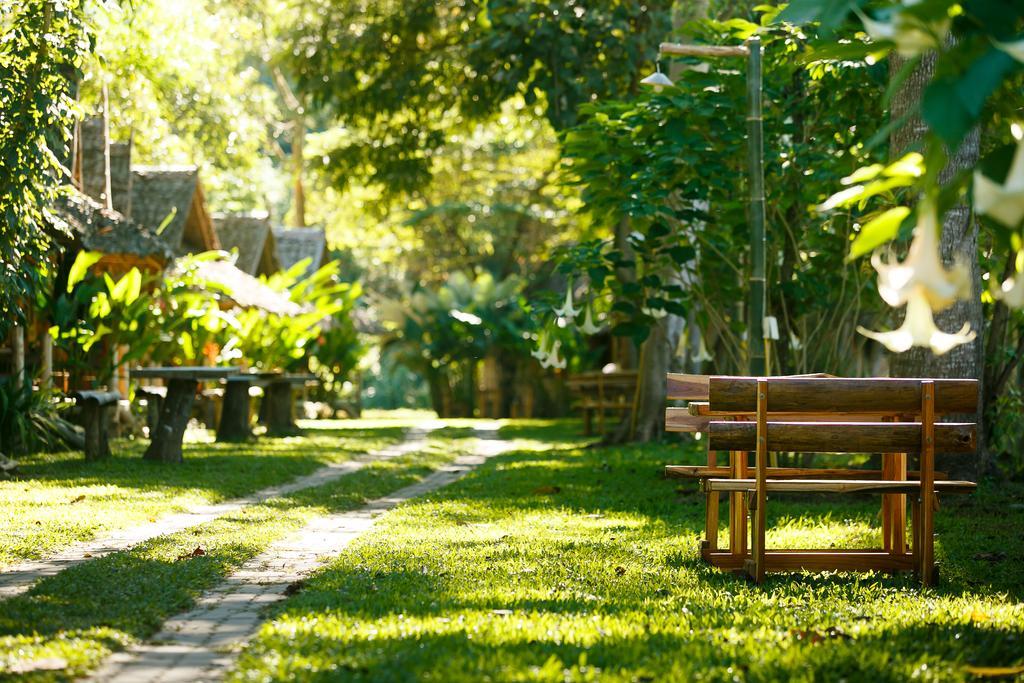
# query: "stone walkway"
[19,578]
[201,644]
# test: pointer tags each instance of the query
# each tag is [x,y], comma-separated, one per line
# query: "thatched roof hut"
[251,235]
[161,191]
[123,242]
[98,217]
[297,244]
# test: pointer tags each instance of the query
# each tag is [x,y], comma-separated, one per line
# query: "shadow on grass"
[543,563]
[222,470]
[130,594]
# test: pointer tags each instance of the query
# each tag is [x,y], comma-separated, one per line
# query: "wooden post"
[46,374]
[18,349]
[761,490]
[927,511]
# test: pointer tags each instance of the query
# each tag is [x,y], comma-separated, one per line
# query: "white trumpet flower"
[911,36]
[919,329]
[543,347]
[703,356]
[922,271]
[1010,292]
[557,362]
[567,311]
[1014,49]
[588,326]
[551,359]
[656,313]
[1002,202]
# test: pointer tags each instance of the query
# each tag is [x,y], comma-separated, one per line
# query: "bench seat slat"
[835,559]
[841,437]
[838,486]
[841,395]
[704,472]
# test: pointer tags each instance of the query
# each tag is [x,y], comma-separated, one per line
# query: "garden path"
[21,577]
[200,644]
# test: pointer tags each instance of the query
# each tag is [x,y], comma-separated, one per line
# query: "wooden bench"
[96,410]
[894,417]
[600,393]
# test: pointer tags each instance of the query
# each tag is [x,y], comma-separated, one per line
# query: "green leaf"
[83,262]
[881,229]
[830,13]
[167,221]
[128,287]
[951,106]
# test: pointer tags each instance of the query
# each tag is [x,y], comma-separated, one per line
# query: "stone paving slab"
[200,645]
[20,578]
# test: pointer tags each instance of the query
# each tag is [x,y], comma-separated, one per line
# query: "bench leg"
[165,442]
[927,511]
[234,415]
[738,506]
[760,498]
[711,500]
[95,419]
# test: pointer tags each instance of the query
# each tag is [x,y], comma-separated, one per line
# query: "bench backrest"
[865,401]
[896,396]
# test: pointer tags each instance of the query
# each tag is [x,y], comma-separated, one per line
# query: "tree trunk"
[649,411]
[959,238]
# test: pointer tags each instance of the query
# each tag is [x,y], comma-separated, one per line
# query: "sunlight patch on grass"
[90,610]
[562,564]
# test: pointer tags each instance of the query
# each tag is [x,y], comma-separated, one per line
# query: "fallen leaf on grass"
[79,499]
[547,490]
[815,637]
[994,671]
[30,665]
[198,552]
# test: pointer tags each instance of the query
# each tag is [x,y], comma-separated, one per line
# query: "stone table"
[182,384]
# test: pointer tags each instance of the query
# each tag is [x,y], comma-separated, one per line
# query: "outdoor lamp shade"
[657,80]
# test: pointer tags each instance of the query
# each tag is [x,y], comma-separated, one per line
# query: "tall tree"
[959,241]
[404,77]
[42,44]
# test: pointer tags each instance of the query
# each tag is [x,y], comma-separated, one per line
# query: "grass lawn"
[57,499]
[91,609]
[556,563]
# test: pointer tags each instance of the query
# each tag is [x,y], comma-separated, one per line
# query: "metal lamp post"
[757,305]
